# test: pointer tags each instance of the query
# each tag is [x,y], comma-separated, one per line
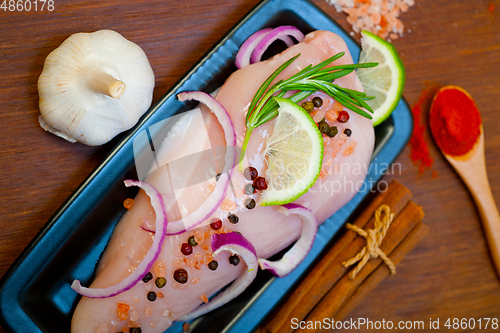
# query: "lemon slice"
[294,155]
[386,81]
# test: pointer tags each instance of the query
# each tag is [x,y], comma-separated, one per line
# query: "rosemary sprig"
[310,79]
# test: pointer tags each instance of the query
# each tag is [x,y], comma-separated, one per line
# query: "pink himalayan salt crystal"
[134,315]
[350,148]
[381,17]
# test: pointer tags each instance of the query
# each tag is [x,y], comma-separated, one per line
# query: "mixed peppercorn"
[323,126]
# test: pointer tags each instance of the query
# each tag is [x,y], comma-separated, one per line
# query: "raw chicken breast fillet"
[345,166]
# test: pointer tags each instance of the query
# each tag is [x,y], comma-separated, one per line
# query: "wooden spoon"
[471,167]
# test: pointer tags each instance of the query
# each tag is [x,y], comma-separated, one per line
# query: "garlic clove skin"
[53,130]
[94,86]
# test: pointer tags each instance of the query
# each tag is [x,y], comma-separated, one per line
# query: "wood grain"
[403,249]
[341,292]
[309,292]
[472,169]
[451,42]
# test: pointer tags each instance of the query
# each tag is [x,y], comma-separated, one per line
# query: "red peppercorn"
[343,116]
[216,224]
[260,183]
[186,249]
[250,173]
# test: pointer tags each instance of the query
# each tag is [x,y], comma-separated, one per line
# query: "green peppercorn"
[148,277]
[234,260]
[213,265]
[233,218]
[250,203]
[332,131]
[323,126]
[317,102]
[192,241]
[160,282]
[308,106]
[151,296]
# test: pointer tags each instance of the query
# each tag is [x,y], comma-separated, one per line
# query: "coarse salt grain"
[350,148]
[148,311]
[380,17]
[134,315]
[160,269]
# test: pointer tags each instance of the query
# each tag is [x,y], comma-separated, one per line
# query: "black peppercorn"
[192,241]
[318,102]
[332,131]
[148,277]
[135,330]
[181,275]
[250,203]
[152,296]
[213,265]
[160,282]
[249,189]
[348,132]
[234,260]
[233,218]
[218,176]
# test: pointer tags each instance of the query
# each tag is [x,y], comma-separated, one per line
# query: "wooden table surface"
[449,275]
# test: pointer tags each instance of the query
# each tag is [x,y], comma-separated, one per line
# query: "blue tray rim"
[10,292]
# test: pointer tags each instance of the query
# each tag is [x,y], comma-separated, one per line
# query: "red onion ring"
[279,32]
[219,193]
[246,49]
[300,249]
[239,245]
[153,253]
[248,46]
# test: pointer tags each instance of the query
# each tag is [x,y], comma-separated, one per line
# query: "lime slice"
[294,154]
[386,81]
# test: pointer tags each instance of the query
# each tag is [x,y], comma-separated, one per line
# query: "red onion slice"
[248,46]
[279,32]
[239,245]
[246,49]
[300,249]
[153,253]
[219,193]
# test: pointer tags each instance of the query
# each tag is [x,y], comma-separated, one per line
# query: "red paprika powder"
[455,121]
[419,151]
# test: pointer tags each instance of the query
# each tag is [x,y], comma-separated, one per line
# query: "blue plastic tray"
[35,294]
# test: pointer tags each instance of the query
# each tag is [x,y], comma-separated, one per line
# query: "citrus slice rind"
[294,155]
[386,81]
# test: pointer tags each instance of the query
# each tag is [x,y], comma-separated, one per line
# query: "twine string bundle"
[383,220]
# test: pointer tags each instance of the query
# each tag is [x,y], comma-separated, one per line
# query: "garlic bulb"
[94,86]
